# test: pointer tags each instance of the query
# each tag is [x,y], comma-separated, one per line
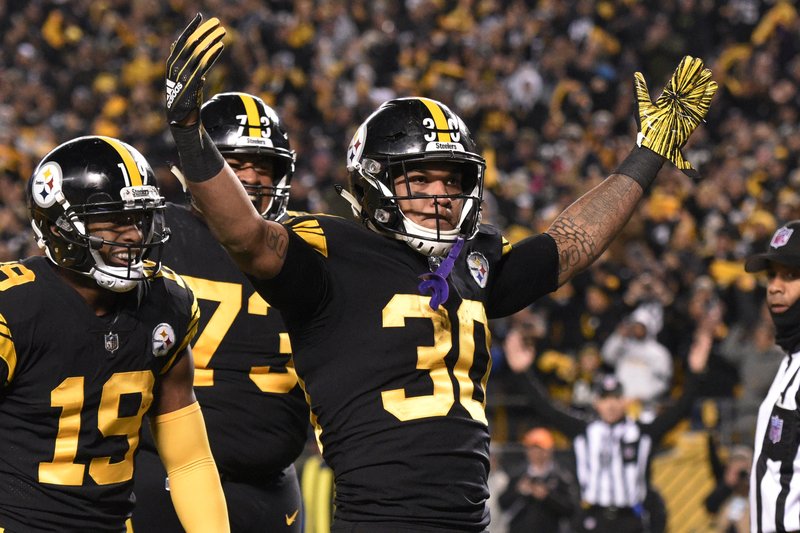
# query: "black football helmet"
[93,177]
[398,133]
[240,123]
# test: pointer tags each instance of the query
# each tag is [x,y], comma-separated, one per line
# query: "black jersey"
[255,412]
[75,387]
[397,389]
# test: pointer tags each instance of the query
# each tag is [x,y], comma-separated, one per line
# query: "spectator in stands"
[641,364]
[728,502]
[543,495]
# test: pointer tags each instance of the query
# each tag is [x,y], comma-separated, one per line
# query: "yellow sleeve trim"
[8,352]
[310,231]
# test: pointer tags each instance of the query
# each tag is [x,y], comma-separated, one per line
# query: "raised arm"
[258,246]
[585,229]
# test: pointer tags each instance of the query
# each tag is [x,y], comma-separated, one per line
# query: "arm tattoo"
[586,228]
[277,241]
[574,244]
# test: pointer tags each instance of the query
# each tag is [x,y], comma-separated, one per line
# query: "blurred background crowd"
[546,88]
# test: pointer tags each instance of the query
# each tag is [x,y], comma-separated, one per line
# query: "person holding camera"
[543,495]
[728,503]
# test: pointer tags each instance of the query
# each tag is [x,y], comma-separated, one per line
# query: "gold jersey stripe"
[311,232]
[439,119]
[506,246]
[133,176]
[252,116]
[7,351]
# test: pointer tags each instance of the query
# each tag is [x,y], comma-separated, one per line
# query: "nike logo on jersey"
[292,517]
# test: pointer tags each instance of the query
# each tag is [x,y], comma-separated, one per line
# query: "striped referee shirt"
[612,460]
[774,487]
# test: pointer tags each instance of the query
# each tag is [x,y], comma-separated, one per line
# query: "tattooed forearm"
[574,244]
[586,228]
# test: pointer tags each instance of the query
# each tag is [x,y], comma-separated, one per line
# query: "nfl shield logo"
[478,268]
[781,237]
[111,342]
[775,429]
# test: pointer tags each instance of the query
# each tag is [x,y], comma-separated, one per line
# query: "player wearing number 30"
[388,317]
[92,338]
[255,411]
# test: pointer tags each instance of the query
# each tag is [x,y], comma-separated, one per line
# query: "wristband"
[642,165]
[200,159]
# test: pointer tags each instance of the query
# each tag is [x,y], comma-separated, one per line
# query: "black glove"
[665,126]
[191,56]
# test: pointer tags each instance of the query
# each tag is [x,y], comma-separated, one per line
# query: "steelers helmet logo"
[163,339]
[47,184]
[356,148]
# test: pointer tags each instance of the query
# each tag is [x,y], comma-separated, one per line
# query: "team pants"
[273,505]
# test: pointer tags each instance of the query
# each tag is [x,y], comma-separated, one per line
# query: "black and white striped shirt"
[774,487]
[612,459]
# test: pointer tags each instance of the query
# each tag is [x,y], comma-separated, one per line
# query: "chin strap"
[435,283]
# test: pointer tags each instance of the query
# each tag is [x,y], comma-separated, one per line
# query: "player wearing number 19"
[255,411]
[389,317]
[92,337]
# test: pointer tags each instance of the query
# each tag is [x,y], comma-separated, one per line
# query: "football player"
[389,318]
[255,411]
[94,336]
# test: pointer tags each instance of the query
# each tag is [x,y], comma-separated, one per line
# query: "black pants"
[609,520]
[270,505]
[342,526]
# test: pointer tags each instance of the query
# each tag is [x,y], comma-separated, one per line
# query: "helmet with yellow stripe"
[409,133]
[241,125]
[90,179]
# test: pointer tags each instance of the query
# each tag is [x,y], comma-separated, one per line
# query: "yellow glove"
[665,126]
[190,57]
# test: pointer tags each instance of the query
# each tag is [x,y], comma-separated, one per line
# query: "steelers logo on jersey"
[479,268]
[47,184]
[163,339]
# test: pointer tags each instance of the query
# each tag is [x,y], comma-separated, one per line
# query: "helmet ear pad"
[385,211]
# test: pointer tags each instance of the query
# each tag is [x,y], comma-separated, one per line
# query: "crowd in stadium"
[546,88]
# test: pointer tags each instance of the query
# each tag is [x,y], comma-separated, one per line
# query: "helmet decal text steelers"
[254,128]
[132,170]
[46,184]
[444,133]
[163,339]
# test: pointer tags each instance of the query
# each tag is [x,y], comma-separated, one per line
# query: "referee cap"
[607,385]
[784,248]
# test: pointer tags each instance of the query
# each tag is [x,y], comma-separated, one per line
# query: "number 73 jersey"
[73,390]
[397,389]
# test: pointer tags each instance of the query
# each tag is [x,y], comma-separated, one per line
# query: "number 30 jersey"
[73,390]
[397,389]
[255,412]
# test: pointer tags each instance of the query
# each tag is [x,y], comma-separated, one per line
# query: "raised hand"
[191,56]
[665,126]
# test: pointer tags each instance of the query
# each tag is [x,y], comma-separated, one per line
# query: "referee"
[613,451]
[774,485]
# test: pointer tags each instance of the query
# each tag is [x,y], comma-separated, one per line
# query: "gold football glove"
[190,57]
[665,126]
